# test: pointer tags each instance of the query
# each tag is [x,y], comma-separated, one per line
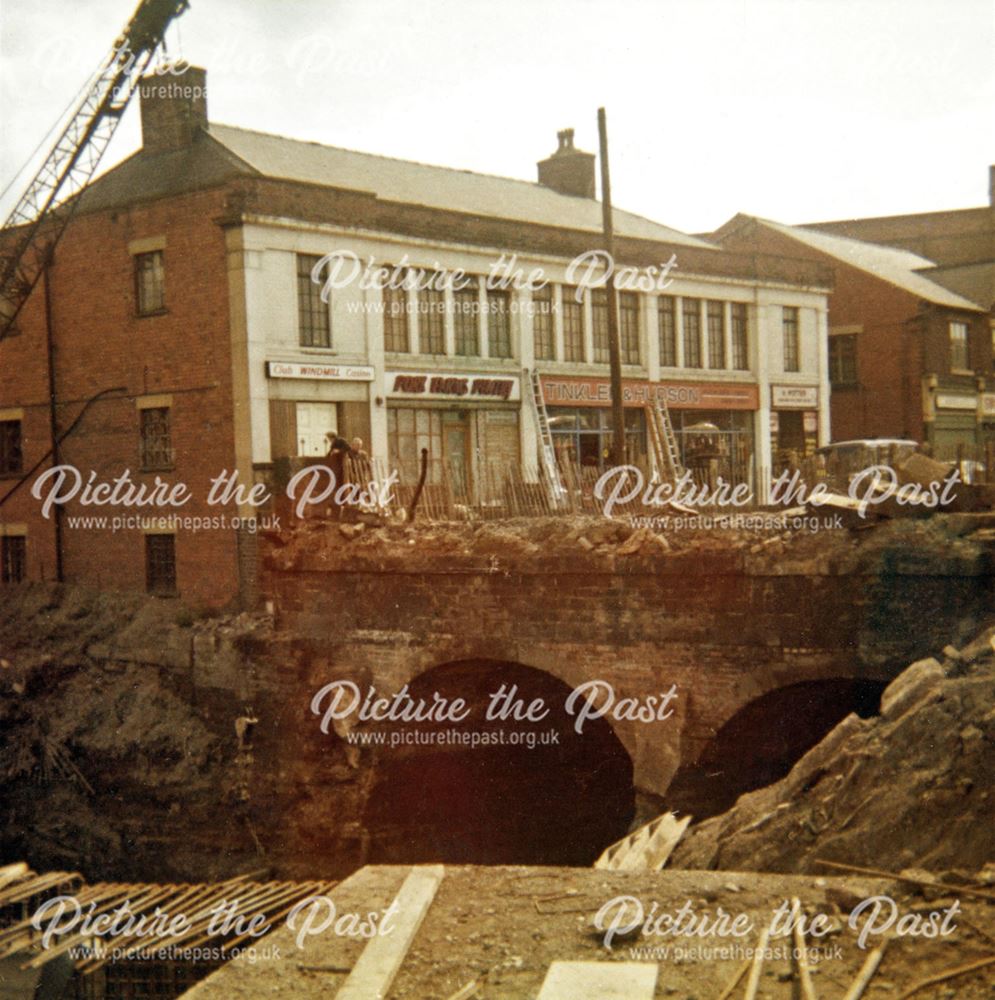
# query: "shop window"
[432,321]
[789,330]
[312,314]
[395,319]
[466,320]
[13,558]
[740,339]
[498,324]
[155,438]
[409,429]
[573,324]
[692,332]
[317,425]
[666,309]
[160,564]
[150,283]
[11,457]
[716,312]
[542,323]
[599,325]
[959,357]
[843,359]
[628,314]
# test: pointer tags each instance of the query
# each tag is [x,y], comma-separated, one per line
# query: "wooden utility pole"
[614,347]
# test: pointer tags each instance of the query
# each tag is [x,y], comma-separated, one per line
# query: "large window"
[150,283]
[432,321]
[13,558]
[716,312]
[542,323]
[692,332]
[666,310]
[156,443]
[843,359]
[466,320]
[573,325]
[789,332]
[740,337]
[959,355]
[11,458]
[628,326]
[395,320]
[498,324]
[312,313]
[160,564]
[599,325]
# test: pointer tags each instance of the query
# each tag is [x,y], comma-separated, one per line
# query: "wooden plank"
[648,848]
[600,981]
[373,975]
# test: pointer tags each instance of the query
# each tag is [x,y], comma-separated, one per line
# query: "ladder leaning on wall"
[547,454]
[663,441]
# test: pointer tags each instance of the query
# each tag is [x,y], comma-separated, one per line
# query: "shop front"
[713,423]
[469,423]
[310,405]
[794,423]
[954,432]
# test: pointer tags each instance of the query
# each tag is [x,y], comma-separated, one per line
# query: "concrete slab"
[600,981]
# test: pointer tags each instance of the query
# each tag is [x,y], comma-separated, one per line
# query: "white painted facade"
[263,264]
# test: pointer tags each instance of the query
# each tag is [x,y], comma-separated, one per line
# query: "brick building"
[189,337]
[908,357]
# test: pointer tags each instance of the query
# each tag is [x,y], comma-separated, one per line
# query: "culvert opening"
[764,740]
[560,801]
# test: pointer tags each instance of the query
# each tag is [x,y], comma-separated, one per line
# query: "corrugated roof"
[897,267]
[433,187]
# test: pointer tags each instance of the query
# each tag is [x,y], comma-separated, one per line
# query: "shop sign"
[435,385]
[328,373]
[988,404]
[682,395]
[810,421]
[955,401]
[794,397]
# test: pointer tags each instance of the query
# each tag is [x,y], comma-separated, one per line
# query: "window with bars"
[312,314]
[573,324]
[959,354]
[542,324]
[666,311]
[599,325]
[740,338]
[13,558]
[466,320]
[691,309]
[155,439]
[11,456]
[432,321]
[498,323]
[843,359]
[716,312]
[628,327]
[150,283]
[789,328]
[396,337]
[160,564]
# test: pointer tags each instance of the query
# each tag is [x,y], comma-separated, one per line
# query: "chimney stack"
[174,108]
[568,170]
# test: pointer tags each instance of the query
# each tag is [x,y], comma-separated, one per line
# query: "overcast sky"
[796,110]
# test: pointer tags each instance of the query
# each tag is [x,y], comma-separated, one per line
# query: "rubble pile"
[911,788]
[782,545]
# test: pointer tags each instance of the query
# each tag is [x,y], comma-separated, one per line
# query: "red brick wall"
[101,344]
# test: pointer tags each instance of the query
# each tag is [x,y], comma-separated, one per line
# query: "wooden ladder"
[547,453]
[663,440]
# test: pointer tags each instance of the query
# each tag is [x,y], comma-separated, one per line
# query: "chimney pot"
[569,170]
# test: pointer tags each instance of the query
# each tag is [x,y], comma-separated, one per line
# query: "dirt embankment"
[911,788]
[106,763]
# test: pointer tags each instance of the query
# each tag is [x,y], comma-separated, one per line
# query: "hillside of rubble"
[912,788]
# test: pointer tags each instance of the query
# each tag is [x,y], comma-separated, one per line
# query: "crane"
[40,217]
